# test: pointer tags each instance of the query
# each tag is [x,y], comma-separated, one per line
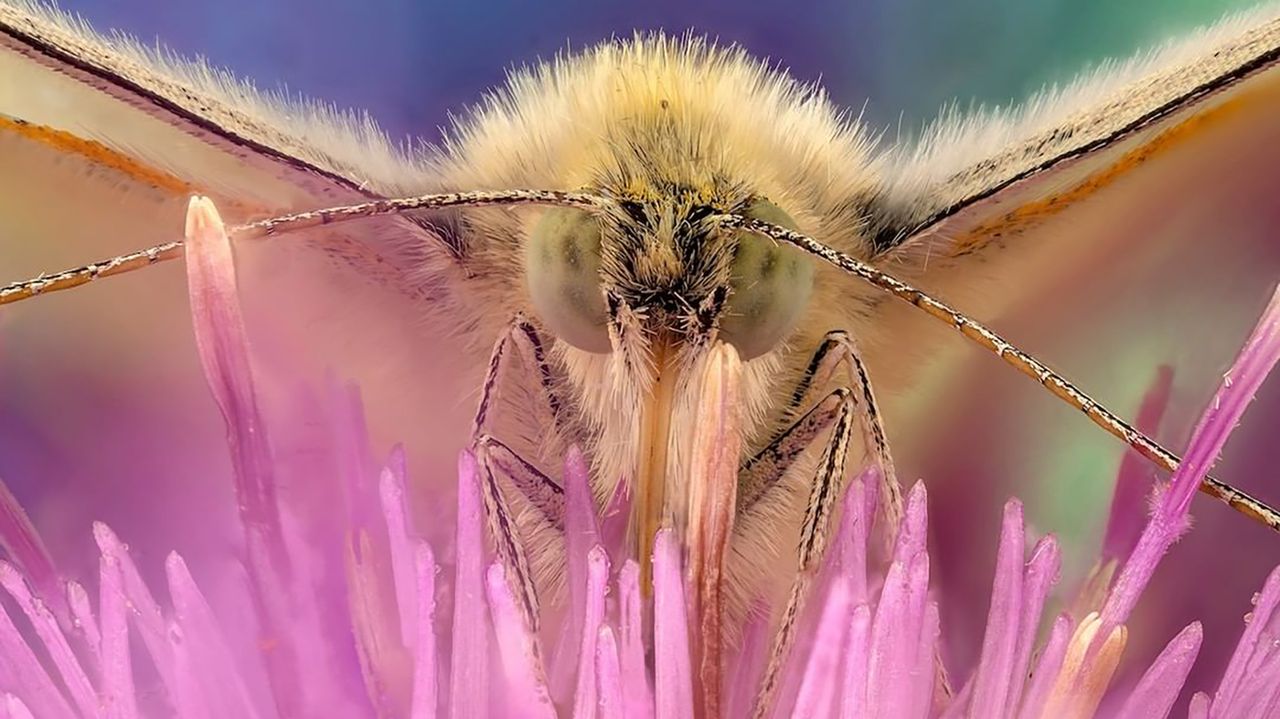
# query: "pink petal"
[205,648]
[22,544]
[635,672]
[190,699]
[857,665]
[1041,574]
[146,614]
[526,694]
[849,551]
[1170,519]
[1047,668]
[581,534]
[899,616]
[845,560]
[21,673]
[609,677]
[82,618]
[221,340]
[400,545]
[913,534]
[469,680]
[614,520]
[1259,694]
[117,669]
[11,707]
[584,696]
[425,680]
[992,680]
[919,684]
[1254,641]
[926,670]
[222,345]
[1199,706]
[820,681]
[886,673]
[1160,685]
[51,636]
[673,674]
[581,526]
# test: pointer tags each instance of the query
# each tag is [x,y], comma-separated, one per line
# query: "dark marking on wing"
[28,44]
[890,226]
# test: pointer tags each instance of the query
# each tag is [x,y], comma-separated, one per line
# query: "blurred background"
[983,433]
[411,63]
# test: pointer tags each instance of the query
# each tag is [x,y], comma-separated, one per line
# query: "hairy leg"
[837,354]
[852,402]
[499,462]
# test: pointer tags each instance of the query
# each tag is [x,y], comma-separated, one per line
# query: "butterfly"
[629,249]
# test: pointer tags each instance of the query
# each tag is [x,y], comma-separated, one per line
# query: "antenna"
[1057,385]
[140,259]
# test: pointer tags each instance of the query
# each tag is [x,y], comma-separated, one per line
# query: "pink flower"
[340,608]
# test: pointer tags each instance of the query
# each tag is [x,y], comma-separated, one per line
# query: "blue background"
[410,63]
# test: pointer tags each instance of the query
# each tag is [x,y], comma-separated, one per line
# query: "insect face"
[665,274]
[654,285]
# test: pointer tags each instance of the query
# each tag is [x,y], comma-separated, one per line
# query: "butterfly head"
[662,276]
[640,296]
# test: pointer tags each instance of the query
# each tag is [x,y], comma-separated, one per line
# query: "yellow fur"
[629,119]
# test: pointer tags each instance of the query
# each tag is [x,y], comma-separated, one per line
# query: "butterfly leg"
[839,352]
[523,337]
[542,493]
[764,470]
[838,411]
[499,462]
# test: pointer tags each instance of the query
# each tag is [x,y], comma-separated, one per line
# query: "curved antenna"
[139,259]
[1057,385]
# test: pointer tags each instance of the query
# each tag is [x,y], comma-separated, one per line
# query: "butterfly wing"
[1076,195]
[989,178]
[102,143]
[1121,223]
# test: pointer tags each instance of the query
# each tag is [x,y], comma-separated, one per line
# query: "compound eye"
[562,271]
[770,285]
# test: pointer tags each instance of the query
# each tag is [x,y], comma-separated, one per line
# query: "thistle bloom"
[345,611]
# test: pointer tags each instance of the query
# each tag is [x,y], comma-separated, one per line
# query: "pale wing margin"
[346,146]
[961,160]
